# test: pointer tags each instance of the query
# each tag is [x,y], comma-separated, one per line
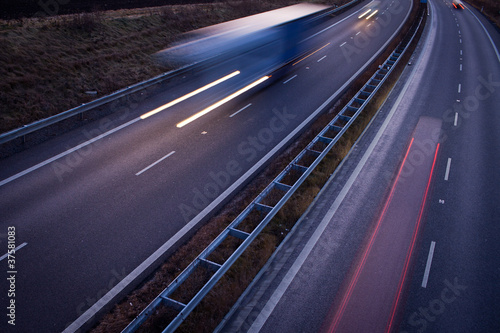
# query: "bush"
[87,22]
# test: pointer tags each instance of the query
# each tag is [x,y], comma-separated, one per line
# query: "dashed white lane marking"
[15,250]
[67,152]
[428,265]
[243,108]
[447,172]
[321,58]
[343,44]
[290,79]
[456,119]
[155,163]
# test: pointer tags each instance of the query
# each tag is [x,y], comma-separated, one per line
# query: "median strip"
[248,263]
[217,259]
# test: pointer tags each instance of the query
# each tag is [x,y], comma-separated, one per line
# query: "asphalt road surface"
[450,274]
[100,204]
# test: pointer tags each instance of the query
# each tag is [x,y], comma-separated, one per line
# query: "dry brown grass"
[49,64]
[491,8]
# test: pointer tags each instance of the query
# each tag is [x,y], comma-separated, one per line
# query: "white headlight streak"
[191,94]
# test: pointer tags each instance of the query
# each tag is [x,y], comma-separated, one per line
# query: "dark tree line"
[15,9]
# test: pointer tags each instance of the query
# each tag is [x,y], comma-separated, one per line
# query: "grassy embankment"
[490,8]
[213,308]
[49,65]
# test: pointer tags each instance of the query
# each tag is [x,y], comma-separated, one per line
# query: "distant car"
[457,4]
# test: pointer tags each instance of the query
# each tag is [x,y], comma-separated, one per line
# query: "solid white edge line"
[243,108]
[115,291]
[487,34]
[331,26]
[266,311]
[94,309]
[155,163]
[448,165]
[428,265]
[16,249]
[67,152]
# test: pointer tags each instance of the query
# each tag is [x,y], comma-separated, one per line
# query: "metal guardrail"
[37,125]
[40,124]
[285,184]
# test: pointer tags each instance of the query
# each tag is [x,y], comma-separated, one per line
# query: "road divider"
[257,215]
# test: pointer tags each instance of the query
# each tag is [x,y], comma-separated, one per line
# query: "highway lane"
[459,292]
[89,219]
[456,69]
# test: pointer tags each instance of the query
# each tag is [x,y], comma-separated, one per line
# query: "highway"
[460,291]
[404,237]
[95,207]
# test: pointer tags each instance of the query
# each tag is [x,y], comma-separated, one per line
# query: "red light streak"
[353,282]
[412,246]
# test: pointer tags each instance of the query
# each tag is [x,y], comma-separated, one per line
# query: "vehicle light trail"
[371,15]
[412,246]
[347,296]
[221,102]
[307,56]
[191,94]
[365,13]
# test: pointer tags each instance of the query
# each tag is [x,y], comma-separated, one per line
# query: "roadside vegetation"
[52,64]
[490,8]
